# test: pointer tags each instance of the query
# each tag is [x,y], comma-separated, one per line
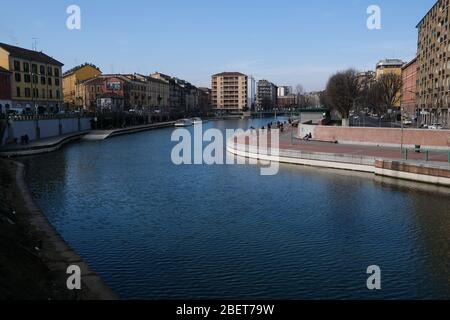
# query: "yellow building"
[36,80]
[389,66]
[73,90]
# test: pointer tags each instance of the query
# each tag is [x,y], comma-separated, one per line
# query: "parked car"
[407,122]
[435,126]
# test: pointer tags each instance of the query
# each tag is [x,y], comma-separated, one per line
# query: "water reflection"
[156,230]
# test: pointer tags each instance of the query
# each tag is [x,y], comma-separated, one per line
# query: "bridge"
[288,113]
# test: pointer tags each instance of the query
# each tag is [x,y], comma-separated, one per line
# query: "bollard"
[427,155]
[406,154]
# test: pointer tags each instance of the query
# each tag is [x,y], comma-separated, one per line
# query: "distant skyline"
[287,42]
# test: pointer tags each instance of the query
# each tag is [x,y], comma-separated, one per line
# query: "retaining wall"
[48,128]
[386,137]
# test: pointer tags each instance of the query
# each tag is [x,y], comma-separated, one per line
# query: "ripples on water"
[154,230]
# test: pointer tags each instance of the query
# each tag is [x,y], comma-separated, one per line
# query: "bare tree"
[370,96]
[343,90]
[389,88]
[299,90]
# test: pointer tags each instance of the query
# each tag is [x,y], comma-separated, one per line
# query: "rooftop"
[229,74]
[436,4]
[74,69]
[406,65]
[30,55]
[390,63]
[4,70]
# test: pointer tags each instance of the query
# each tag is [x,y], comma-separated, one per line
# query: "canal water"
[154,230]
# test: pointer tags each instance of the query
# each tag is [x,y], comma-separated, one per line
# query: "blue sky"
[285,41]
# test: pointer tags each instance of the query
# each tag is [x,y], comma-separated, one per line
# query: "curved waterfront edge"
[52,250]
[416,172]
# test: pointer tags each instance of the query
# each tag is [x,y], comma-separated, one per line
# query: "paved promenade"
[105,134]
[289,143]
[40,146]
[431,167]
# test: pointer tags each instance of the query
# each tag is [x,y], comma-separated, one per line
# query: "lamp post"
[401,120]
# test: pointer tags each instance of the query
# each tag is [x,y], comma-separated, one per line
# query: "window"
[57,82]
[18,92]
[49,81]
[43,93]
[34,68]
[27,78]
[56,72]
[35,79]
[50,94]
[49,71]
[18,77]
[57,94]
[17,65]
[43,80]
[42,70]
[26,67]
[27,92]
[35,93]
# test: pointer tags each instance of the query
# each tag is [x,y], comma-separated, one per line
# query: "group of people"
[308,137]
[24,139]
[279,125]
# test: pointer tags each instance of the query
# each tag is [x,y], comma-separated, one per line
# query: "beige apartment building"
[433,65]
[229,91]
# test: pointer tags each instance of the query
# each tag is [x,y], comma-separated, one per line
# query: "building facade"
[204,100]
[266,97]
[284,91]
[36,83]
[127,92]
[72,90]
[286,102]
[5,90]
[433,65]
[105,86]
[251,100]
[409,85]
[230,92]
[175,92]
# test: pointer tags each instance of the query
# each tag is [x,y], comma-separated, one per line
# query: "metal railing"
[307,155]
[425,155]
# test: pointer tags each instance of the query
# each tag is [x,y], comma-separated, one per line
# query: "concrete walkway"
[96,135]
[40,146]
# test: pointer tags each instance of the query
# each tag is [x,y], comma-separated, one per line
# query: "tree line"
[348,91]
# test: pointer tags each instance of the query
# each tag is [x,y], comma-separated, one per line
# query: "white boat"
[197,120]
[183,123]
